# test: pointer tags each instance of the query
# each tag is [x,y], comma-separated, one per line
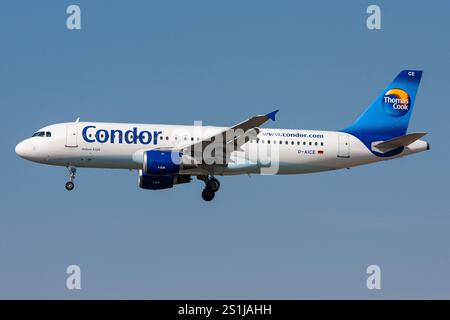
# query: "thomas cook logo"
[396,102]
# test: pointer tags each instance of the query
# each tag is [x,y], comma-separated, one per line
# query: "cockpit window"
[42,134]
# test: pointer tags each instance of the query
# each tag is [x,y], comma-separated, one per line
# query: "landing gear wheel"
[70,185]
[208,195]
[213,185]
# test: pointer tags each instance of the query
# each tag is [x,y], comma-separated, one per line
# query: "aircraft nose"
[21,149]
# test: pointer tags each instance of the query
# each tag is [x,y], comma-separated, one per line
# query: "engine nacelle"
[161,162]
[159,182]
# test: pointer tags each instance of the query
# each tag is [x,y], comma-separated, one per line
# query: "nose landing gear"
[70,185]
[212,185]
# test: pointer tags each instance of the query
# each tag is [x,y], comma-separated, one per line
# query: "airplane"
[168,155]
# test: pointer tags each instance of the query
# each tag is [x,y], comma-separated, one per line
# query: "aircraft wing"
[230,139]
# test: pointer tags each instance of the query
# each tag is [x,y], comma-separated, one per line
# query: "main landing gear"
[212,185]
[70,185]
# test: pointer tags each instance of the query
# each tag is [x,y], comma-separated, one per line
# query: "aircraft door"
[72,136]
[344,146]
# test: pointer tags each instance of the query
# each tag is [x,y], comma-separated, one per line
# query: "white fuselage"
[275,151]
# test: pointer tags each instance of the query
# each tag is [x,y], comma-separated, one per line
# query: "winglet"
[272,115]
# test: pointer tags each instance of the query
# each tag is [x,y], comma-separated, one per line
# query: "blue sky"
[307,236]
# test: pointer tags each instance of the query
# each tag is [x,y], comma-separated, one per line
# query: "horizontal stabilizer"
[403,141]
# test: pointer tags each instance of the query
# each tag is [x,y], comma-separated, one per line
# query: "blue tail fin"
[388,116]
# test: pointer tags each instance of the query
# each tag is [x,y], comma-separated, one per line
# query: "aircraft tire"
[213,185]
[208,195]
[70,186]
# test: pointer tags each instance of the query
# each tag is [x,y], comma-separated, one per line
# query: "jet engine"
[161,162]
[159,182]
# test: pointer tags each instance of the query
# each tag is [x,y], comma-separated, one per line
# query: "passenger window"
[321,143]
[316,143]
[292,142]
[268,141]
[304,143]
[310,143]
[287,142]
